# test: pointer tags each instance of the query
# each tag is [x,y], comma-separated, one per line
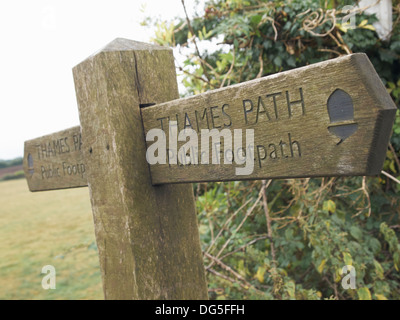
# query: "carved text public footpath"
[55,161]
[214,122]
[56,147]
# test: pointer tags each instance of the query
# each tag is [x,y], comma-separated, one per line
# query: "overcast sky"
[41,41]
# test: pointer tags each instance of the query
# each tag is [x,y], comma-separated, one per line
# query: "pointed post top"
[121,44]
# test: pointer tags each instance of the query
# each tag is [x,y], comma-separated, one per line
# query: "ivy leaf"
[260,274]
[338,274]
[343,26]
[255,20]
[356,232]
[375,245]
[329,206]
[291,289]
[379,270]
[291,62]
[387,55]
[321,266]
[348,260]
[396,260]
[392,167]
[364,24]
[278,61]
[364,294]
[395,46]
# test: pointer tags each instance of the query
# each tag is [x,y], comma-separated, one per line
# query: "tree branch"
[265,185]
[194,41]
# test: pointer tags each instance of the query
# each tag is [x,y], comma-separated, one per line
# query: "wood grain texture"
[293,133]
[55,161]
[147,236]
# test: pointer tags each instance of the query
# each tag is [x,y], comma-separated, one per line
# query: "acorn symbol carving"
[341,115]
[30,164]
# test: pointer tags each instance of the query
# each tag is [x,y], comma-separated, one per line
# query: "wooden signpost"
[328,119]
[55,161]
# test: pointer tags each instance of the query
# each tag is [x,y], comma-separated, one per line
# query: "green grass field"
[47,228]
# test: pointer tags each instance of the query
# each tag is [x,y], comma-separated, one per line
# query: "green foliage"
[10,163]
[313,239]
[296,246]
[396,133]
[12,176]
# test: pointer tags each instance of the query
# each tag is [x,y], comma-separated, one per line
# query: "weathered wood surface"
[332,118]
[55,161]
[147,236]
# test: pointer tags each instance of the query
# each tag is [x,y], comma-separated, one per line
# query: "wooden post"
[147,235]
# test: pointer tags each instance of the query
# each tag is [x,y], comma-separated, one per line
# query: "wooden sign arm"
[332,118]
